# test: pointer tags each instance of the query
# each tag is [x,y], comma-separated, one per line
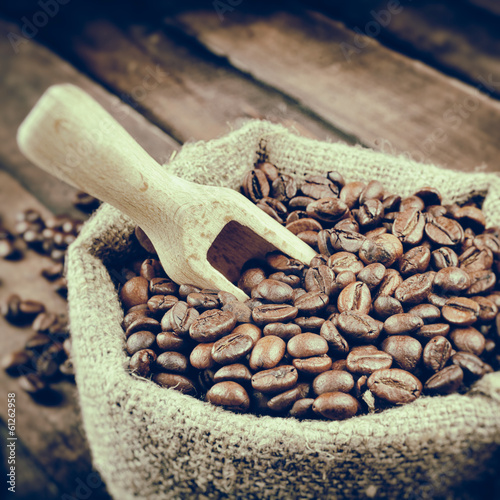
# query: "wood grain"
[454,37]
[385,99]
[25,76]
[52,434]
[189,92]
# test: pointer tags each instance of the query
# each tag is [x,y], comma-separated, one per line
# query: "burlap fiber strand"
[151,442]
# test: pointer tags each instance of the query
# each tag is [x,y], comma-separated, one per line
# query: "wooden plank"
[25,75]
[192,94]
[454,37]
[384,98]
[53,434]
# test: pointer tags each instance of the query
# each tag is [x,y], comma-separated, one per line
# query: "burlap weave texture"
[150,442]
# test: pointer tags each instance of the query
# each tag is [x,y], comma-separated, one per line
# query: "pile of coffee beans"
[401,300]
[45,357]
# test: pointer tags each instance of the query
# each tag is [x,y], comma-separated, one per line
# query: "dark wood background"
[424,82]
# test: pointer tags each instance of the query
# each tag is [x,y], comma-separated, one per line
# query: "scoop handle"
[71,136]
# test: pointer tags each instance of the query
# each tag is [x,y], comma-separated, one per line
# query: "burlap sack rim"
[86,255]
[488,385]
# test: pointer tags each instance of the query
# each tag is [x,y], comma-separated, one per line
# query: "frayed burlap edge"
[150,442]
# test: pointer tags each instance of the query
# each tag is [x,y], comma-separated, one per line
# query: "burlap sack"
[153,443]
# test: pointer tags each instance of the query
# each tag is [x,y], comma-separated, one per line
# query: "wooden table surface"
[414,78]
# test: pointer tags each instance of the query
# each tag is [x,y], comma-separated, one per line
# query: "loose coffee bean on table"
[402,299]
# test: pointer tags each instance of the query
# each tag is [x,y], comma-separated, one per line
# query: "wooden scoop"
[202,234]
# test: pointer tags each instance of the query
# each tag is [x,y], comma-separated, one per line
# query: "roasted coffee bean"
[327,209]
[481,282]
[378,231]
[433,330]
[267,353]
[394,385]
[37,342]
[142,362]
[275,380]
[437,300]
[320,279]
[444,257]
[203,301]
[237,372]
[345,261]
[231,348]
[390,282]
[343,279]
[403,324]
[280,262]
[150,269]
[429,195]
[241,311]
[385,249]
[369,214]
[336,405]
[460,311]
[274,313]
[309,323]
[391,202]
[387,306]
[313,365]
[410,203]
[285,400]
[53,272]
[67,368]
[358,326]
[436,354]
[32,384]
[134,292]
[474,259]
[427,312]
[340,364]
[409,225]
[488,309]
[179,318]
[140,340]
[300,202]
[175,381]
[452,280]
[444,231]
[306,345]
[333,381]
[471,217]
[143,323]
[445,381]
[347,224]
[351,192]
[311,302]
[490,241]
[325,246]
[334,339]
[283,330]
[211,325]
[302,408]
[163,286]
[289,279]
[365,360]
[372,275]
[346,240]
[414,289]
[161,303]
[316,186]
[355,297]
[278,209]
[284,188]
[253,331]
[132,316]
[472,366]
[45,322]
[468,340]
[270,170]
[302,225]
[169,341]
[201,356]
[16,363]
[185,290]
[373,191]
[414,261]
[297,215]
[406,351]
[272,291]
[173,362]
[256,185]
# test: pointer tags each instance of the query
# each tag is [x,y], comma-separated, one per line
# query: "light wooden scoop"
[202,234]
